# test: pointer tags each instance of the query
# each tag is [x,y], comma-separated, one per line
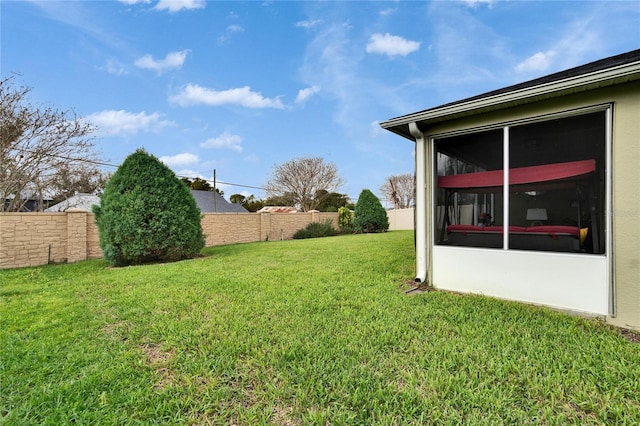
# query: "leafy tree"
[238,199]
[253,204]
[42,151]
[331,201]
[345,219]
[250,203]
[304,178]
[147,214]
[370,216]
[286,199]
[400,190]
[198,184]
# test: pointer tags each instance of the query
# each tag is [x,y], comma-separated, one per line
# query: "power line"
[101,163]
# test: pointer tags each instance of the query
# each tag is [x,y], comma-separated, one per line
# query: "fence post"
[265,226]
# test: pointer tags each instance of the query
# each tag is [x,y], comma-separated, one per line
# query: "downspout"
[421,205]
[609,200]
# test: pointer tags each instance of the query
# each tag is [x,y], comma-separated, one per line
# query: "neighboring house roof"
[205,202]
[278,209]
[78,201]
[31,196]
[32,203]
[605,72]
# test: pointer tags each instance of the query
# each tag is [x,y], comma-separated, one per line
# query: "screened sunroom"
[529,192]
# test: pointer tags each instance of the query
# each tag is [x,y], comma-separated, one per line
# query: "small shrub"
[370,216]
[146,214]
[345,220]
[315,230]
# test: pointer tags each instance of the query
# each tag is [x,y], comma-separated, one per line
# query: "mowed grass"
[297,332]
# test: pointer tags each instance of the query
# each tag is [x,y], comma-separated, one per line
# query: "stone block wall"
[31,239]
[230,228]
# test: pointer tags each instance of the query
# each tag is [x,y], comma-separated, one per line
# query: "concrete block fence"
[31,239]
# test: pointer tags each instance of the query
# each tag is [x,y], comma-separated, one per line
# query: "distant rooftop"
[206,203]
[79,201]
[278,209]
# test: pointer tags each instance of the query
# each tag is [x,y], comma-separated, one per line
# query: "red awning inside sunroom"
[520,176]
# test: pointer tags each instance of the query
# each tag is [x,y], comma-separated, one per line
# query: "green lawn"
[314,331]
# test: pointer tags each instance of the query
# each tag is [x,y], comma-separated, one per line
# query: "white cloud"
[172,60]
[114,67]
[132,2]
[308,24]
[252,158]
[180,160]
[192,94]
[388,12]
[375,129]
[191,174]
[177,5]
[391,45]
[111,122]
[231,29]
[305,94]
[83,17]
[333,61]
[225,141]
[475,3]
[539,62]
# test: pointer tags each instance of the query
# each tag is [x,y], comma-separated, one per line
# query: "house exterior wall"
[625,158]
[32,239]
[626,206]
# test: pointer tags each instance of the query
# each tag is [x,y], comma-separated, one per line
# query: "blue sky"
[241,86]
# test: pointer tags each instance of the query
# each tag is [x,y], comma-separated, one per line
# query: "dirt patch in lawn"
[158,359]
[630,335]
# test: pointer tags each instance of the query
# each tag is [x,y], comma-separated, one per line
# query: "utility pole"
[215,193]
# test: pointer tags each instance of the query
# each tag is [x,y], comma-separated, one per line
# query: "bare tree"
[43,151]
[77,177]
[399,190]
[306,180]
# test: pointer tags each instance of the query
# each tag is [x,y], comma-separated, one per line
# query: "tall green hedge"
[146,214]
[370,216]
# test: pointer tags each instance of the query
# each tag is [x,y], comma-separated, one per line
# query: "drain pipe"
[422,198]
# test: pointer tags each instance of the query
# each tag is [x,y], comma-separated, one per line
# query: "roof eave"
[596,79]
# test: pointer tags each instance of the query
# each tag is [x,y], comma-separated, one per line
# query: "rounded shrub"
[316,230]
[370,216]
[146,214]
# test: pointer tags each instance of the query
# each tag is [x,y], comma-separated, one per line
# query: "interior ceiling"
[555,141]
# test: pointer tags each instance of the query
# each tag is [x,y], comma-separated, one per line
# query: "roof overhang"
[510,98]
